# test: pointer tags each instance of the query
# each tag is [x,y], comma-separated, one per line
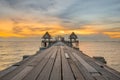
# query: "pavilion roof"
[46,36]
[73,36]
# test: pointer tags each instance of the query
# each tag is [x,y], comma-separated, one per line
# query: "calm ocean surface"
[12,51]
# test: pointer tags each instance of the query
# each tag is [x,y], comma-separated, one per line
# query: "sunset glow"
[19,19]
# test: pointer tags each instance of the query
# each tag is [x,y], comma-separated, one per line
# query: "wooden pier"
[59,62]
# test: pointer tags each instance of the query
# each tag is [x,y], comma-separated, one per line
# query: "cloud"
[17,20]
[17,29]
[30,4]
[31,16]
[115,29]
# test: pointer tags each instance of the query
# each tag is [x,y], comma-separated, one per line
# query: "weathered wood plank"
[6,71]
[88,60]
[85,64]
[56,72]
[78,75]
[45,74]
[103,72]
[112,71]
[37,70]
[22,74]
[91,69]
[39,57]
[81,68]
[97,77]
[21,67]
[66,70]
[67,56]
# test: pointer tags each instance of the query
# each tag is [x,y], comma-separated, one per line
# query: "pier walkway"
[59,62]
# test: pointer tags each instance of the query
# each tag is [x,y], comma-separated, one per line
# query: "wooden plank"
[91,69]
[103,73]
[112,71]
[81,68]
[98,77]
[56,72]
[78,75]
[85,64]
[66,70]
[21,67]
[22,74]
[108,68]
[67,56]
[106,74]
[39,57]
[6,71]
[37,70]
[45,74]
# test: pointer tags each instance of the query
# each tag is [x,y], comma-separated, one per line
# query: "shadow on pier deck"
[59,62]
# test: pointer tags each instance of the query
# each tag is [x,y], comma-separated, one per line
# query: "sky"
[94,19]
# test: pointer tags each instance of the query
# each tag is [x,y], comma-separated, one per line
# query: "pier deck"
[59,62]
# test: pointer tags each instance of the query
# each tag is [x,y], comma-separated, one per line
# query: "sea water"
[13,51]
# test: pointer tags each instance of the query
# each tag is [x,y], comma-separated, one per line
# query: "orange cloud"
[6,25]
[31,28]
[8,34]
[113,34]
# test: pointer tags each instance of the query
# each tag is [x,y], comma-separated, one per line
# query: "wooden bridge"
[59,62]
